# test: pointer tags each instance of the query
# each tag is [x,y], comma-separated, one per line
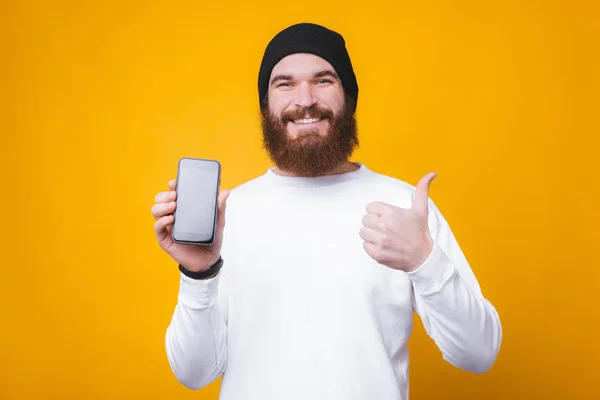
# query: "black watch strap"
[202,274]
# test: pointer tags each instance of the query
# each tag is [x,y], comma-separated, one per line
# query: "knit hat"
[313,39]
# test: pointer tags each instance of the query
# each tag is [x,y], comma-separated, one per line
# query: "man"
[323,260]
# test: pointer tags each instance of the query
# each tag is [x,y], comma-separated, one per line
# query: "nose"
[305,96]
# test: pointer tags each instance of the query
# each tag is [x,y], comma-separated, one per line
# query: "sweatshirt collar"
[319,181]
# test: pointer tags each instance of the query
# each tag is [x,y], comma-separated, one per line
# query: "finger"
[222,204]
[371,221]
[420,202]
[161,226]
[371,250]
[222,201]
[162,209]
[172,184]
[379,208]
[165,197]
[370,235]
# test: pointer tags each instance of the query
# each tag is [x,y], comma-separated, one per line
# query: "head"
[308,96]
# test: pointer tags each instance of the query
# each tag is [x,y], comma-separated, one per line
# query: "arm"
[464,325]
[195,341]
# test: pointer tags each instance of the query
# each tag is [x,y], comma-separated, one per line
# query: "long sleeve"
[196,339]
[464,325]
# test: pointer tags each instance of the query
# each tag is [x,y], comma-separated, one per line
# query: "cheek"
[335,100]
[279,102]
[339,106]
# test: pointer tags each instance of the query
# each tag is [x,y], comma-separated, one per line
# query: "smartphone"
[197,188]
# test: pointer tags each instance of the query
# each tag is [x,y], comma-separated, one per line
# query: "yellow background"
[100,100]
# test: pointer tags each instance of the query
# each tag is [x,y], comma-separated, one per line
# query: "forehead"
[300,64]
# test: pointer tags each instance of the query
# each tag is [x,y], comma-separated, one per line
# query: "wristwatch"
[202,274]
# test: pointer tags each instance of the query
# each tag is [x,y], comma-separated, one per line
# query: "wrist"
[424,256]
[433,274]
[205,265]
[206,273]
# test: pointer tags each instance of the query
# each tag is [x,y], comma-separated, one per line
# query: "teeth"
[307,121]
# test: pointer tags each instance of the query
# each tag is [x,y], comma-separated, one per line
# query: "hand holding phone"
[190,216]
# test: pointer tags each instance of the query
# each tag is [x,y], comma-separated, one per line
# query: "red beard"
[310,154]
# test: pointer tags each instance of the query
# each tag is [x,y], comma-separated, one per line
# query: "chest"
[307,258]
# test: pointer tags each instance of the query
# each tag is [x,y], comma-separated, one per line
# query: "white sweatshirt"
[300,310]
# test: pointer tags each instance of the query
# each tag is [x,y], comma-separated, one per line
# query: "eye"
[284,84]
[322,81]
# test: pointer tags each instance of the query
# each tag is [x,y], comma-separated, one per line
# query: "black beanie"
[313,39]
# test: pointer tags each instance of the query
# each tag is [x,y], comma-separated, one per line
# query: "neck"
[341,169]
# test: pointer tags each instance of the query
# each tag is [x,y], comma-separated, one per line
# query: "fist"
[396,237]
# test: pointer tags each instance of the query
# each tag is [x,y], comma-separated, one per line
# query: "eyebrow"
[326,72]
[320,74]
[281,78]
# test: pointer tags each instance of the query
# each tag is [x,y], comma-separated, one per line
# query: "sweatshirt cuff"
[198,294]
[433,274]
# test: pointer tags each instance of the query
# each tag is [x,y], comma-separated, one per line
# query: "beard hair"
[310,154]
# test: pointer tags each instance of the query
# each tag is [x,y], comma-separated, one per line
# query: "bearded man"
[309,289]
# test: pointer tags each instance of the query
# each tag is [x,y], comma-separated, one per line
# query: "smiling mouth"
[306,121]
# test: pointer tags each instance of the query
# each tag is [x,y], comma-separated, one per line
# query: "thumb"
[421,200]
[222,201]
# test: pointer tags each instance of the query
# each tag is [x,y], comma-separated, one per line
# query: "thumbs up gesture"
[397,237]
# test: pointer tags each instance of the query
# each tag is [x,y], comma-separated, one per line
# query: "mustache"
[313,111]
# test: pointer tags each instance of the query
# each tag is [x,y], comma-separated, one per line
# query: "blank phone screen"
[197,192]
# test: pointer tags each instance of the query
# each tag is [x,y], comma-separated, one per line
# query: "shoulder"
[393,187]
[392,183]
[247,192]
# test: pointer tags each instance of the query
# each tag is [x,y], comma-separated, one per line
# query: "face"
[309,127]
